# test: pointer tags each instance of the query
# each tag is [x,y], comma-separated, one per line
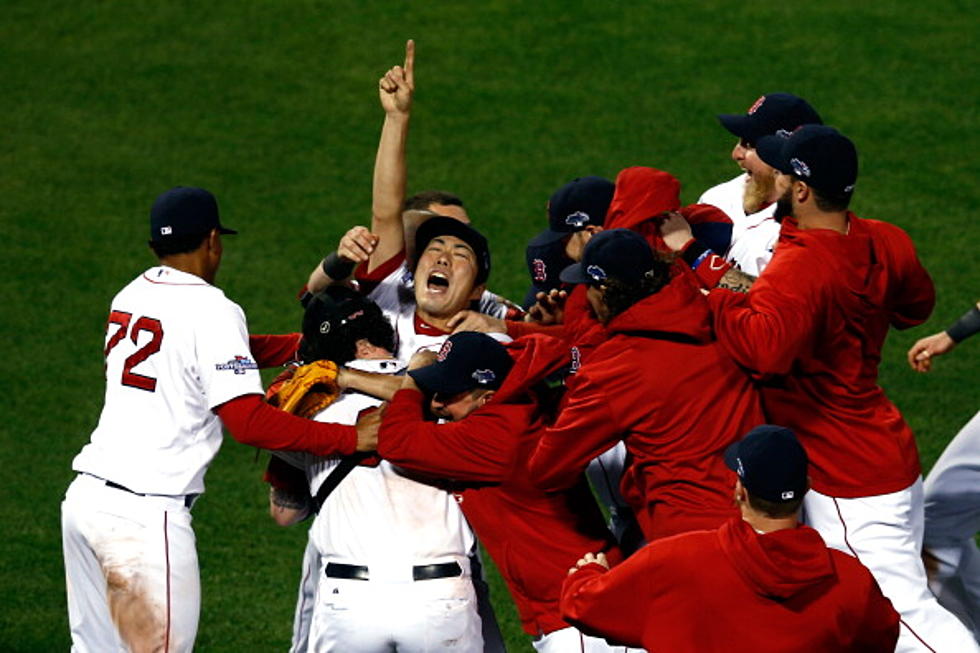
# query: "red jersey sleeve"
[274,350]
[253,422]
[586,427]
[518,329]
[369,280]
[914,296]
[479,448]
[766,329]
[609,604]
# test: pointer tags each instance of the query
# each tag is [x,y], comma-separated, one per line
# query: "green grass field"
[273,106]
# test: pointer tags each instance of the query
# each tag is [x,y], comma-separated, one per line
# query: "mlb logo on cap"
[184,211]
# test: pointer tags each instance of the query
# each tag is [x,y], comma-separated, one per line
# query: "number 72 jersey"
[175,348]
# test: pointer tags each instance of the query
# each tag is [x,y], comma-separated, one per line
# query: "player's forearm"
[253,422]
[477,449]
[388,190]
[382,386]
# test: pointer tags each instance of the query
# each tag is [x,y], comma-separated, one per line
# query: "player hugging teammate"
[710,370]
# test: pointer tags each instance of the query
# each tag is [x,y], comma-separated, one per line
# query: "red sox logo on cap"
[755,106]
[540,270]
[444,351]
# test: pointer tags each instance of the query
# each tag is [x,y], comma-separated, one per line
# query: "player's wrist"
[694,252]
[336,267]
[966,326]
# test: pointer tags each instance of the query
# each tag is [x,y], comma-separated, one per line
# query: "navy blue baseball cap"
[184,211]
[441,225]
[771,114]
[581,202]
[545,263]
[771,463]
[620,254]
[467,361]
[819,155]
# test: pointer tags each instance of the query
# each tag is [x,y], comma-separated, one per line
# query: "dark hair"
[178,244]
[828,202]
[774,509]
[340,344]
[421,201]
[620,295]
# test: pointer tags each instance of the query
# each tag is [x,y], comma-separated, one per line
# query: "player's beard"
[758,191]
[784,206]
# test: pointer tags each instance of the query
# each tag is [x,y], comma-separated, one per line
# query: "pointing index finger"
[409,60]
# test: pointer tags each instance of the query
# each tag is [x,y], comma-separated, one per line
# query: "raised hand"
[398,84]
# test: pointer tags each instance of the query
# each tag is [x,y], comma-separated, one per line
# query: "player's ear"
[477,292]
[486,396]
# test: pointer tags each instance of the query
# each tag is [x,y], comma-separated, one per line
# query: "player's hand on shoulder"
[476,321]
[549,308]
[357,244]
[588,559]
[368,424]
[921,354]
[398,84]
[675,231]
[422,358]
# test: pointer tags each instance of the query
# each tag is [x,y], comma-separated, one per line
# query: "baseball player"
[761,582]
[816,321]
[418,296]
[178,365]
[393,572]
[952,512]
[493,420]
[658,382]
[749,199]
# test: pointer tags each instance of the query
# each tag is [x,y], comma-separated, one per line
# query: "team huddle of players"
[707,373]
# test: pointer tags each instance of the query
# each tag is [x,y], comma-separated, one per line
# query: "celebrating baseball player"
[952,510]
[388,579]
[178,365]
[761,582]
[749,199]
[494,420]
[659,383]
[816,319]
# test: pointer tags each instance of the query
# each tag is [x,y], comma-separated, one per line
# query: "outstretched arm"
[395,89]
[922,352]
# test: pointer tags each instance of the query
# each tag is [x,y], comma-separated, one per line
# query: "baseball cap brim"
[548,237]
[227,232]
[741,125]
[575,273]
[731,456]
[434,380]
[770,150]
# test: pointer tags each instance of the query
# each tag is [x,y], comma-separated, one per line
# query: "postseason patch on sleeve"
[238,365]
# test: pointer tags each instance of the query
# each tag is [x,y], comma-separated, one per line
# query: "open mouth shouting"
[437,283]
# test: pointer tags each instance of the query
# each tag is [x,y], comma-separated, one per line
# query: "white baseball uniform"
[175,348]
[753,236]
[952,509]
[389,525]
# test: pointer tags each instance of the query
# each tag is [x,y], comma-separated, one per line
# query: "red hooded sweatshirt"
[660,383]
[817,319]
[533,537]
[733,590]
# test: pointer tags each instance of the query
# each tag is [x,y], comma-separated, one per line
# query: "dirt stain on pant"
[141,621]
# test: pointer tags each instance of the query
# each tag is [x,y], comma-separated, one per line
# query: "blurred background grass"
[273,106]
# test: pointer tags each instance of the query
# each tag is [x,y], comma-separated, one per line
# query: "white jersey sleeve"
[754,236]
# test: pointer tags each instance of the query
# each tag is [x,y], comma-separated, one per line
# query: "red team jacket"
[734,590]
[533,537]
[660,383]
[817,319]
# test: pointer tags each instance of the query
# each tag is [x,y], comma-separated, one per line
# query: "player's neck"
[816,219]
[191,263]
[764,524]
[440,323]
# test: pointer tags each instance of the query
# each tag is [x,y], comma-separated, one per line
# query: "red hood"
[678,308]
[780,564]
[642,193]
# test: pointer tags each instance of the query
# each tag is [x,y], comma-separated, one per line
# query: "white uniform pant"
[605,473]
[952,505]
[571,640]
[381,616]
[131,570]
[306,600]
[885,533]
